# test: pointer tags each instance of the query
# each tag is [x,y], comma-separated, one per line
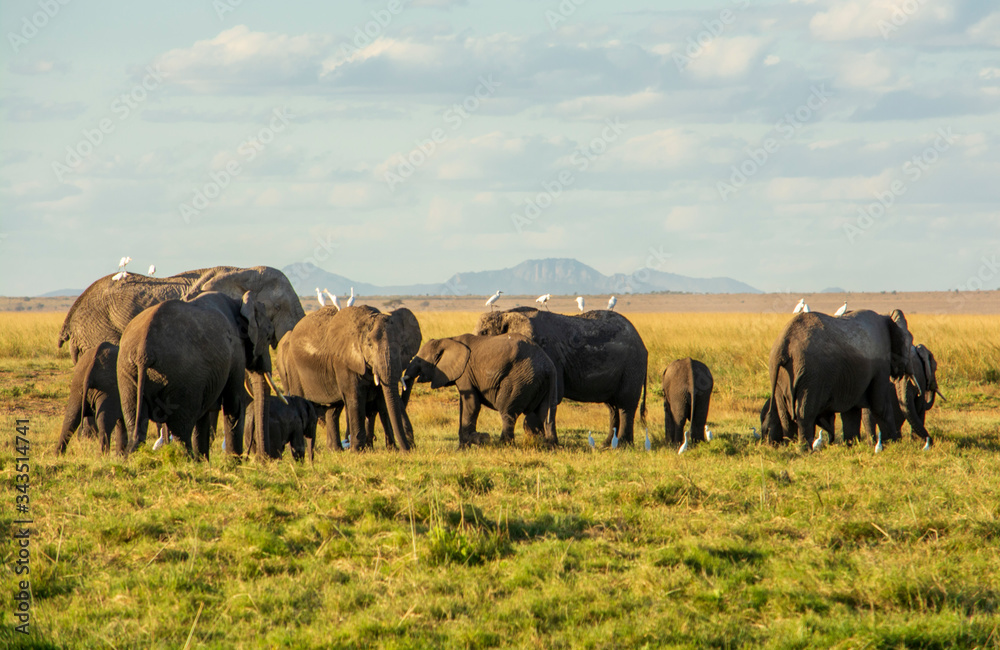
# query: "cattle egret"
[590,440]
[345,443]
[121,274]
[350,300]
[123,262]
[614,438]
[800,306]
[684,447]
[927,445]
[579,302]
[319,297]
[649,443]
[818,442]
[492,299]
[879,447]
[753,432]
[708,435]
[332,298]
[841,311]
[544,300]
[612,303]
[159,441]
[805,309]
[152,269]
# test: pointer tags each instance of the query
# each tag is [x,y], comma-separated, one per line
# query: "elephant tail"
[782,363]
[642,406]
[691,389]
[139,399]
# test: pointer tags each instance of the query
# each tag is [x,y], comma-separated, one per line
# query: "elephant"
[825,421]
[103,310]
[181,360]
[837,365]
[507,373]
[599,357]
[912,400]
[687,392]
[347,358]
[292,423]
[93,393]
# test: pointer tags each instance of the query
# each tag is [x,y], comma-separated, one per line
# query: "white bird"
[319,297]
[579,302]
[332,298]
[800,306]
[612,303]
[123,262]
[649,443]
[614,438]
[492,299]
[684,447]
[121,274]
[841,311]
[590,440]
[152,269]
[708,434]
[818,442]
[350,300]
[753,432]
[805,309]
[345,443]
[544,300]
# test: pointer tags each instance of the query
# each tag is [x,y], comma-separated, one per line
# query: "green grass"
[733,544]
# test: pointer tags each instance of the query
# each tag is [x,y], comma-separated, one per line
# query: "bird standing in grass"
[649,443]
[614,438]
[492,299]
[612,303]
[579,302]
[591,441]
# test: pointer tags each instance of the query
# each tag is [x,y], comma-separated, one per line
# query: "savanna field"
[733,544]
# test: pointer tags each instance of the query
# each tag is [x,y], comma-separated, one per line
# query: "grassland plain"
[733,544]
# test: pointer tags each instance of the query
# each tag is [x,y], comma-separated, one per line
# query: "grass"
[733,544]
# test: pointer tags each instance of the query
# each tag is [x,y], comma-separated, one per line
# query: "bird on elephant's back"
[106,307]
[599,357]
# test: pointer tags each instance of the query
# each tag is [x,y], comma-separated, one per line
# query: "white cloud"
[860,19]
[987,30]
[727,57]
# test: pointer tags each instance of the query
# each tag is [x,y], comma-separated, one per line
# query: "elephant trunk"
[71,422]
[261,408]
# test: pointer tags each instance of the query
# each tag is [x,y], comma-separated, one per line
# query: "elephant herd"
[176,351]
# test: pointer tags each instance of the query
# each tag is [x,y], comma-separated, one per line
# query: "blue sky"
[792,145]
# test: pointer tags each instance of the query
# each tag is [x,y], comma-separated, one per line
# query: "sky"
[792,145]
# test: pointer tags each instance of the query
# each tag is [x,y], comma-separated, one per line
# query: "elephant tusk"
[403,381]
[375,374]
[270,382]
[913,380]
[246,386]
[941,395]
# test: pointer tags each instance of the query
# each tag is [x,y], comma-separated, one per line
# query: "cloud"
[37,67]
[24,109]
[987,30]
[846,20]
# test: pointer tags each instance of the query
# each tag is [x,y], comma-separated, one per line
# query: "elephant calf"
[507,373]
[687,391]
[93,393]
[292,424]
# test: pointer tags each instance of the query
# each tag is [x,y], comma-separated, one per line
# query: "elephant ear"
[259,328]
[902,345]
[450,362]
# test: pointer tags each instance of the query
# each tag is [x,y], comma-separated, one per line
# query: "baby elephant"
[687,391]
[507,373]
[93,392]
[292,424]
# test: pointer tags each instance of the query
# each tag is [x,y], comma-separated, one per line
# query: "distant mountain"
[59,293]
[555,276]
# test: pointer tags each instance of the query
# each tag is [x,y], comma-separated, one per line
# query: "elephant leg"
[468,418]
[371,411]
[533,425]
[851,422]
[614,424]
[547,415]
[333,427]
[508,422]
[916,415]
[105,426]
[626,434]
[383,417]
[202,435]
[881,409]
[355,409]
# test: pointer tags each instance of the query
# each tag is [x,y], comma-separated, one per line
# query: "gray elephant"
[507,373]
[93,393]
[292,423]
[346,359]
[825,421]
[837,365]
[180,361]
[106,307]
[599,357]
[912,400]
[687,393]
